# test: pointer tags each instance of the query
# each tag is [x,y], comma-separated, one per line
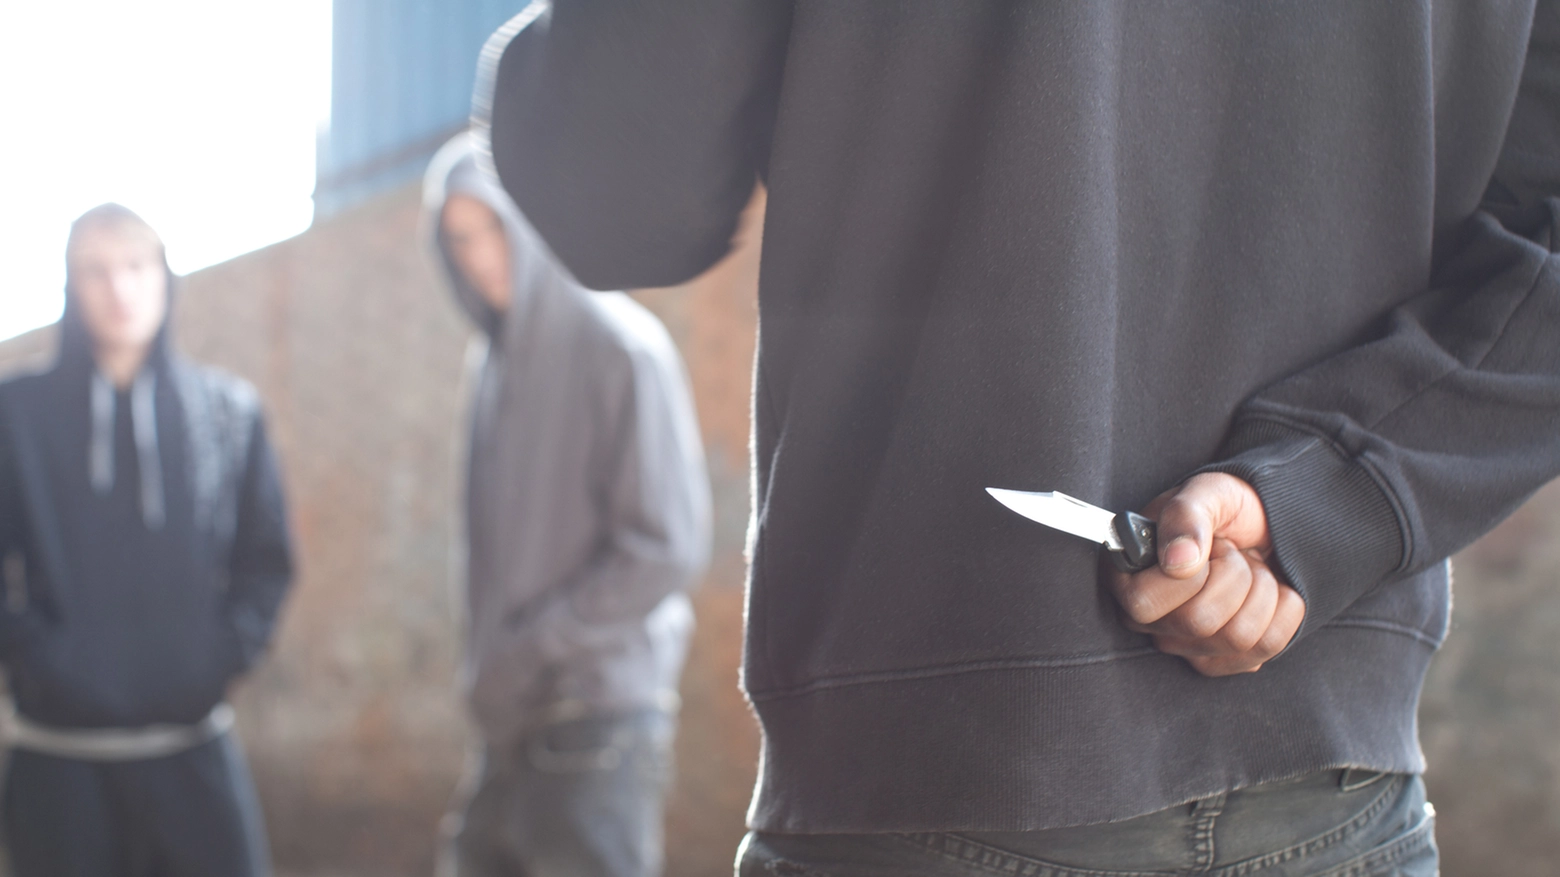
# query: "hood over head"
[75,341]
[585,482]
[77,359]
[456,169]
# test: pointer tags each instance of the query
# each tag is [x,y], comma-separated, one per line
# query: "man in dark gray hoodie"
[587,518]
[141,509]
[1288,267]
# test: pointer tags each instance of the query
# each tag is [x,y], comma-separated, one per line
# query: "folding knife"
[1128,537]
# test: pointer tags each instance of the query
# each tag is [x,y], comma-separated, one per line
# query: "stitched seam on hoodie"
[1385,626]
[1060,662]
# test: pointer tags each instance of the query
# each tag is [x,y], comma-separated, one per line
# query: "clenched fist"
[1212,599]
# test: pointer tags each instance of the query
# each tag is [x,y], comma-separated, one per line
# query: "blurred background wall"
[353,727]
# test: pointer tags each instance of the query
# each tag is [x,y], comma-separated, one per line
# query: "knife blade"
[1129,538]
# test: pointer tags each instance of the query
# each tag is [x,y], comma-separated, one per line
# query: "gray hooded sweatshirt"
[587,500]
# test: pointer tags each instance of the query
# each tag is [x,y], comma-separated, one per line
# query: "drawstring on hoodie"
[143,422]
[100,453]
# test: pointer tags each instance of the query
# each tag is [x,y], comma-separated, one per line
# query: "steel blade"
[1061,512]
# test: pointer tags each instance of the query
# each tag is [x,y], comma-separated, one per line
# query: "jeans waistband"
[1279,820]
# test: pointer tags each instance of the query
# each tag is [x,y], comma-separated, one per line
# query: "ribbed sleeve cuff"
[1335,532]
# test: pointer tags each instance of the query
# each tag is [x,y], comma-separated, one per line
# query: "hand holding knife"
[1216,601]
[1130,540]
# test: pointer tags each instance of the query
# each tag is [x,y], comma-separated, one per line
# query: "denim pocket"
[1411,853]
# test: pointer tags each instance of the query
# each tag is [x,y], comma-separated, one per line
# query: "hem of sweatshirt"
[1030,748]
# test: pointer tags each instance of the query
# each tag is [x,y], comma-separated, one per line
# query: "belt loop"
[1204,813]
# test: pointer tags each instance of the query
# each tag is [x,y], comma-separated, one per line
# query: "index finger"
[1151,594]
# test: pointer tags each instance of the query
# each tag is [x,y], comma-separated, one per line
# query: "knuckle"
[1269,645]
[1241,635]
[1261,574]
[1199,628]
[1237,668]
[1141,610]
[1212,667]
[1138,604]
[1179,511]
[1202,621]
[1210,480]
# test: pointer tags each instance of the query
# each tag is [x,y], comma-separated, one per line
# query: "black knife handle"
[1139,547]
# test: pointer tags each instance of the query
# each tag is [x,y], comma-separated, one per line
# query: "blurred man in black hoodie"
[140,495]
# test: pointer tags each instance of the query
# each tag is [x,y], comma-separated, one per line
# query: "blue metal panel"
[402,74]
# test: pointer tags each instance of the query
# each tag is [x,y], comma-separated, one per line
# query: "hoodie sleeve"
[1385,459]
[261,568]
[17,626]
[657,508]
[644,124]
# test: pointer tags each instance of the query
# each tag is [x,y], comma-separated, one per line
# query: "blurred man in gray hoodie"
[586,517]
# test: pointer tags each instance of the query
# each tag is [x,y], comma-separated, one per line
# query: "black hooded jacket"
[151,533]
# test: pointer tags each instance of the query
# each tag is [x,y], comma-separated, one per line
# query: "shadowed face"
[476,240]
[120,286]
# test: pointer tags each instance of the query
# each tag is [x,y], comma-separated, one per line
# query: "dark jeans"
[1335,824]
[192,814]
[581,798]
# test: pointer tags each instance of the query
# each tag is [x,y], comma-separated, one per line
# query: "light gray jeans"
[578,798]
[1333,824]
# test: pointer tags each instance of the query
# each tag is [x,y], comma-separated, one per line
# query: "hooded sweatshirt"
[151,534]
[587,501]
[1094,248]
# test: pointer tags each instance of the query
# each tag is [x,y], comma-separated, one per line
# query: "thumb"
[1195,512]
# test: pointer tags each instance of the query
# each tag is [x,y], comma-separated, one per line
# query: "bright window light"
[199,116]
